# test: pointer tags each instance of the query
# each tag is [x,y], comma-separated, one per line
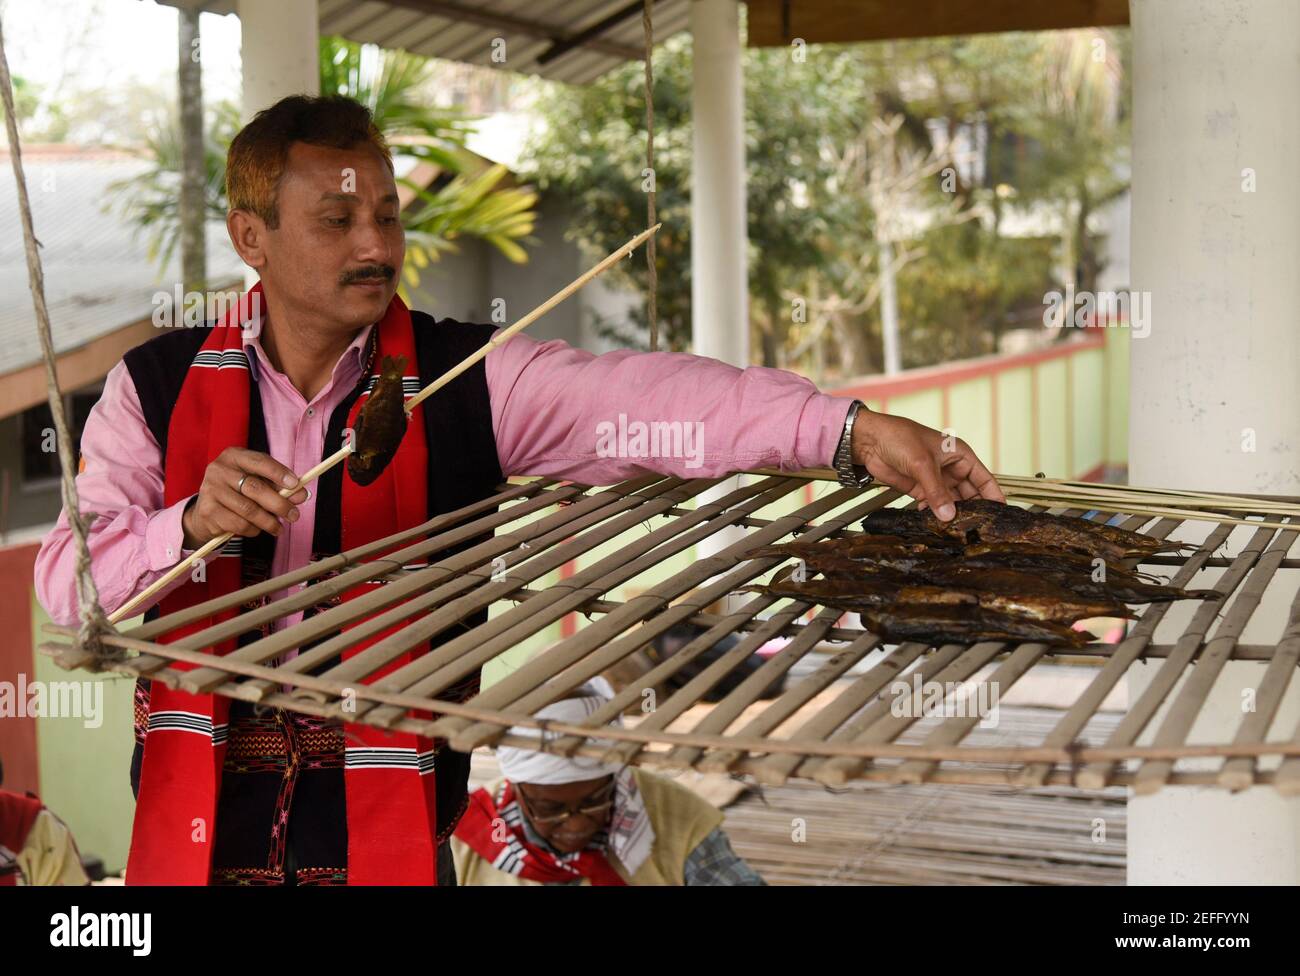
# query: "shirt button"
[311,411]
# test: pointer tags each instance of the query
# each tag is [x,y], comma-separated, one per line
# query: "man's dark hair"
[258,154]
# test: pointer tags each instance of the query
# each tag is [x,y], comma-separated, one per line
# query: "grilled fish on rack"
[939,570]
[863,546]
[994,572]
[1082,585]
[979,520]
[1012,569]
[861,594]
[853,591]
[1029,556]
[960,624]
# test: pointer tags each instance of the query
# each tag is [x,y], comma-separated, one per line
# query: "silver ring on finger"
[240,486]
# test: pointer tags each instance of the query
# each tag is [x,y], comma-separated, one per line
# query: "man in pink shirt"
[173,456]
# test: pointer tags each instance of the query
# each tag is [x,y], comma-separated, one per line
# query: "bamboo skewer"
[1123,499]
[1125,508]
[209,547]
[1217,499]
[609,261]
[327,463]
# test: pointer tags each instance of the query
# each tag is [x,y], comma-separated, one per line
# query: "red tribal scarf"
[493,827]
[388,777]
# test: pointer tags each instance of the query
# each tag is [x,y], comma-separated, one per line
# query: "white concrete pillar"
[1214,400]
[280,48]
[719,234]
[719,275]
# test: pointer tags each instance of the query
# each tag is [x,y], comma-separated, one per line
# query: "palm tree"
[151,200]
[455,195]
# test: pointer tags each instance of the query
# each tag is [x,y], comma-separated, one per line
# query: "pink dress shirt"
[555,412]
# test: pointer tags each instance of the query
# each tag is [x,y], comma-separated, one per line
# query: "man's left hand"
[933,467]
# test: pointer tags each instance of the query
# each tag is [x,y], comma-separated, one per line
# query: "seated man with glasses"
[574,820]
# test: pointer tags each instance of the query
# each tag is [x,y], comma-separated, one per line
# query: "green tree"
[591,153]
[977,131]
[151,200]
[26,99]
[466,198]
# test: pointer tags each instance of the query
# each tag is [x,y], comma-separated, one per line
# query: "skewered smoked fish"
[1114,590]
[909,524]
[1028,556]
[993,522]
[1003,555]
[965,625]
[1035,600]
[1003,567]
[940,570]
[862,594]
[865,546]
[381,424]
[979,520]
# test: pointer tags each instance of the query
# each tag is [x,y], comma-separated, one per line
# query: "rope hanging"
[651,219]
[93,622]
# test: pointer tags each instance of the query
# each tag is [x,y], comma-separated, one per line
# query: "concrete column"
[719,273]
[719,276]
[719,235]
[280,47]
[1214,399]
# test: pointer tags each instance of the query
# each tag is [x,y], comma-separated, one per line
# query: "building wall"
[465,284]
[85,767]
[25,505]
[77,764]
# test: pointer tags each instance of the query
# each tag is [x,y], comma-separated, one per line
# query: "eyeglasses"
[591,806]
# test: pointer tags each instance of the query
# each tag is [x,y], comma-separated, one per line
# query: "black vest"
[463,468]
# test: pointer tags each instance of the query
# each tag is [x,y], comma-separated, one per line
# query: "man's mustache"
[384,271]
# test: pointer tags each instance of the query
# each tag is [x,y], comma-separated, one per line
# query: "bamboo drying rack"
[542,525]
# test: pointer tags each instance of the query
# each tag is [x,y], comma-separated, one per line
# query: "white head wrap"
[631,835]
[528,766]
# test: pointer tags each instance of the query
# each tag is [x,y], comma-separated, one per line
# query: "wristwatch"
[851,475]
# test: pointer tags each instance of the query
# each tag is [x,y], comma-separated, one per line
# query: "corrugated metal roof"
[465,31]
[98,276]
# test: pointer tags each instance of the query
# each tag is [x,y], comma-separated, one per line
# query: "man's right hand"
[221,507]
